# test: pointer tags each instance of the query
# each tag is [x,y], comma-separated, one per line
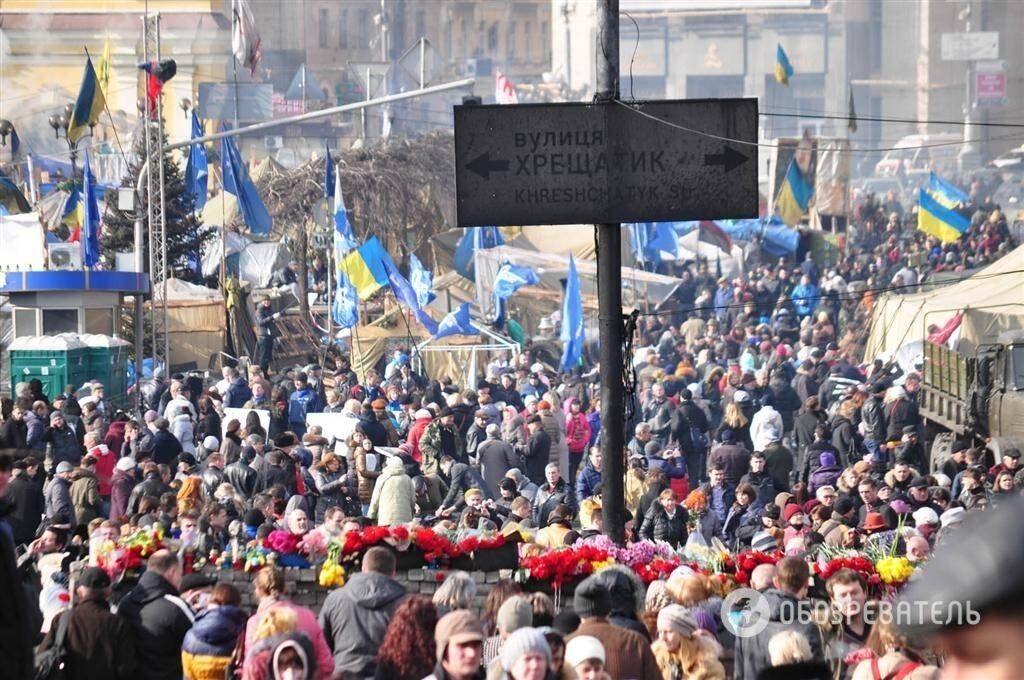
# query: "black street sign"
[588,163]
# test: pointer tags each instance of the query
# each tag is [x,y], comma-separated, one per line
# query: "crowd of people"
[756,424]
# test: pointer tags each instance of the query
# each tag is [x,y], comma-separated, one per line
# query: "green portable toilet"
[56,360]
[106,360]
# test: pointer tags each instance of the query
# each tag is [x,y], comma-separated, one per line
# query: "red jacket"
[105,462]
[415,434]
[577,432]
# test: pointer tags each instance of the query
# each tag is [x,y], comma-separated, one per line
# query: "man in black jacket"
[241,474]
[152,484]
[17,627]
[99,645]
[265,319]
[538,450]
[14,431]
[28,505]
[555,491]
[158,617]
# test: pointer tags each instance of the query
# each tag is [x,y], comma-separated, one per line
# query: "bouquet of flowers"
[564,565]
[332,574]
[894,571]
[130,552]
[314,546]
[745,562]
[657,569]
[283,542]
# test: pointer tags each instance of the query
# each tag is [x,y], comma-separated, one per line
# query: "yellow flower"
[894,570]
[604,564]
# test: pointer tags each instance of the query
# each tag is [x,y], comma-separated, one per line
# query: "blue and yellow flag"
[939,221]
[783,69]
[794,195]
[365,268]
[947,195]
[88,106]
[73,213]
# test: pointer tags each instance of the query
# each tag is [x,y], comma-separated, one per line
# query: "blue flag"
[329,174]
[405,294]
[651,239]
[507,281]
[345,306]
[91,218]
[422,281]
[197,169]
[457,323]
[344,240]
[474,239]
[572,321]
[237,182]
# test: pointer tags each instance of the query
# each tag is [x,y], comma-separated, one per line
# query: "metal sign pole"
[609,287]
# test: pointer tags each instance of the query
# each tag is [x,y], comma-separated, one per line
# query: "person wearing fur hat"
[683,649]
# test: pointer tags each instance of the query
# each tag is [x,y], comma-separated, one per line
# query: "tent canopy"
[897,320]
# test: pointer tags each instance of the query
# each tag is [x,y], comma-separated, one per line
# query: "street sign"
[990,83]
[607,162]
[970,46]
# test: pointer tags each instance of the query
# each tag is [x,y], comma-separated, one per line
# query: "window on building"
[364,28]
[25,322]
[321,29]
[99,321]
[492,38]
[512,45]
[60,321]
[343,29]
[421,23]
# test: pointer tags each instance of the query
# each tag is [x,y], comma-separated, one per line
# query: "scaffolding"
[156,214]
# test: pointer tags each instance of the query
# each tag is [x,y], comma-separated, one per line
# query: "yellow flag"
[103,69]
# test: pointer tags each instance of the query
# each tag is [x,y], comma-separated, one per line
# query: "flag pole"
[234,60]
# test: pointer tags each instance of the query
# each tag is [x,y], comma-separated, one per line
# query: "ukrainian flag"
[939,221]
[946,194]
[88,106]
[365,268]
[783,69]
[73,212]
[794,195]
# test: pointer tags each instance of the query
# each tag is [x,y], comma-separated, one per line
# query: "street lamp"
[186,105]
[60,123]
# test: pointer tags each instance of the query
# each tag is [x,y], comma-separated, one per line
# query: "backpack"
[52,664]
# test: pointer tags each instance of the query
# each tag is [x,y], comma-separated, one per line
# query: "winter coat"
[85,495]
[210,643]
[764,485]
[306,623]
[741,524]
[184,431]
[27,510]
[846,441]
[823,475]
[152,485]
[58,500]
[243,477]
[672,665]
[547,499]
[35,428]
[588,482]
[734,457]
[538,455]
[577,432]
[439,440]
[65,444]
[627,653]
[394,497]
[164,447]
[99,645]
[367,477]
[159,619]
[237,394]
[779,464]
[496,458]
[751,653]
[13,434]
[475,436]
[872,414]
[355,617]
[658,526]
[334,488]
[121,485]
[416,430]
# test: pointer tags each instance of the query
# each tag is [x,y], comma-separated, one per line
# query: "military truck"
[977,398]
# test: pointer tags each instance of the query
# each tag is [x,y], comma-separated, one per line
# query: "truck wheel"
[942,448]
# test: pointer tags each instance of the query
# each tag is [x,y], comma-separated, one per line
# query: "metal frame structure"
[156,212]
[497,343]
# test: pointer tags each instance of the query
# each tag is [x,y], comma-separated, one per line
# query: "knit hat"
[925,515]
[457,627]
[524,641]
[791,509]
[583,648]
[827,459]
[763,542]
[591,599]
[783,498]
[677,618]
[211,443]
[125,464]
[64,466]
[657,596]
[516,612]
[952,516]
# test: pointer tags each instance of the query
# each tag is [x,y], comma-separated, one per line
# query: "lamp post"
[60,123]
[186,105]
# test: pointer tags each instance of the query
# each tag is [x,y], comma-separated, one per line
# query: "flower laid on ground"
[563,565]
